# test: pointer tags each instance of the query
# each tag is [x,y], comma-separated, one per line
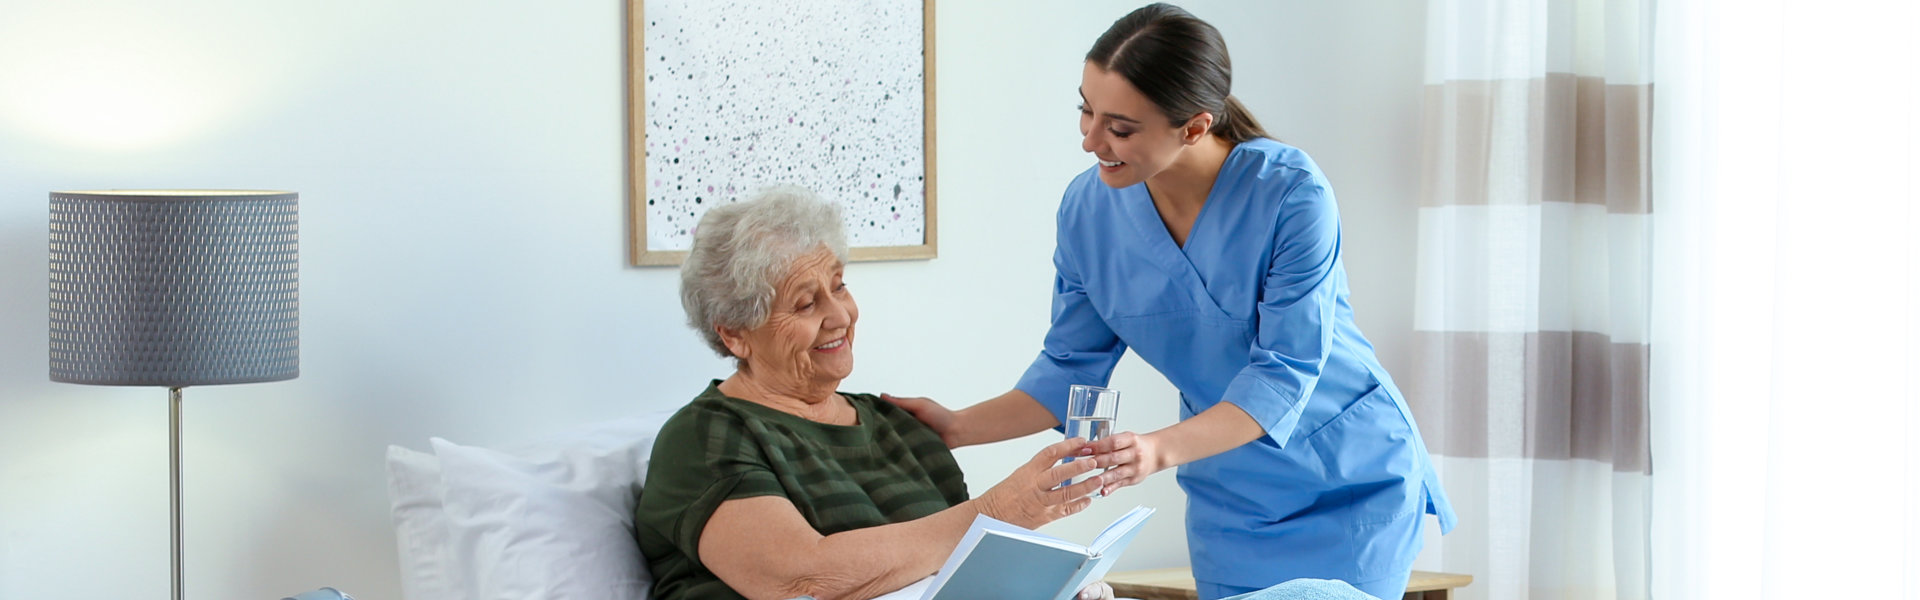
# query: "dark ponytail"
[1236,124]
[1180,63]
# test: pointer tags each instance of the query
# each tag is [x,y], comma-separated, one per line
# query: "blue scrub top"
[1252,311]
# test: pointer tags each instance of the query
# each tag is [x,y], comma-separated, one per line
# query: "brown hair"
[1180,63]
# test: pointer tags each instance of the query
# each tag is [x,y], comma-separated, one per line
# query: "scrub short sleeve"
[1300,293]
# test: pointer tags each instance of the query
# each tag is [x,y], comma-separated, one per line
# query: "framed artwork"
[728,96]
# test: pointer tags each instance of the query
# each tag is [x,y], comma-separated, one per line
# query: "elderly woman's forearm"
[763,548]
[1004,417]
[865,563]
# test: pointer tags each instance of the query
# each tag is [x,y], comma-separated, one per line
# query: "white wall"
[461,173]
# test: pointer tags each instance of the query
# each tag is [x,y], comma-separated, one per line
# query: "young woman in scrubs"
[1213,251]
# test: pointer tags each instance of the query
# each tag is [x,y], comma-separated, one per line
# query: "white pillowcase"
[413,485]
[553,521]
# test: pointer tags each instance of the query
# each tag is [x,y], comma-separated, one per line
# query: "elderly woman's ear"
[736,341]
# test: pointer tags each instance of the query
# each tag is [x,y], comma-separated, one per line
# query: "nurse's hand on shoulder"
[937,417]
[1031,496]
[1129,458]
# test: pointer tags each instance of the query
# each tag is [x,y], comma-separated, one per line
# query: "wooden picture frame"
[847,41]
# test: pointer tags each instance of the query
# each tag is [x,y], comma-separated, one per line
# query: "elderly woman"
[773,484]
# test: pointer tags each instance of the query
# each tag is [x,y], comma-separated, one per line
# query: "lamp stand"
[173,482]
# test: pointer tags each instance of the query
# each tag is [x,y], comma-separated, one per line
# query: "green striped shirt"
[888,468]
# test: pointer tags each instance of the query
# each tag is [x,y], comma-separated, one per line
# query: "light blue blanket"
[1307,589]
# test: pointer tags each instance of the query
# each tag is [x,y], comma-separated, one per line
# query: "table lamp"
[173,288]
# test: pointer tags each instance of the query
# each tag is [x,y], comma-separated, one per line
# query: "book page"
[1106,550]
[996,559]
[1123,526]
[984,527]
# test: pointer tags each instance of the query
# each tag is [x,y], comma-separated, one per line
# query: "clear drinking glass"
[1091,411]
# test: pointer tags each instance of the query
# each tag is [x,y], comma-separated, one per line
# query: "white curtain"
[1530,365]
[1785,411]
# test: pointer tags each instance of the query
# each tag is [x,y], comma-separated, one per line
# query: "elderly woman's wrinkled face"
[808,336]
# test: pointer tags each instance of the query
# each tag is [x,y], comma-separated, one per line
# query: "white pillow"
[552,521]
[413,484]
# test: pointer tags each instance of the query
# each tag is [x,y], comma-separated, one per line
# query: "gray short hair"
[741,250]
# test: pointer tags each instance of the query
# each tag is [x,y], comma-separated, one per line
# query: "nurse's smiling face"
[1127,133]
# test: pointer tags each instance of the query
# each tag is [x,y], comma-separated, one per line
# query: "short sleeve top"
[887,468]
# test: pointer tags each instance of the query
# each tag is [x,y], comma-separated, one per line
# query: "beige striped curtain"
[1530,366]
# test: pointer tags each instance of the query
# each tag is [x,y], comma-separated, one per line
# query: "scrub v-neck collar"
[1160,246]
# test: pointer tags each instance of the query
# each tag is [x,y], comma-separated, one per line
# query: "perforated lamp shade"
[173,287]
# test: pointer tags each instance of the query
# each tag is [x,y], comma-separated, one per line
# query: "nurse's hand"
[937,417]
[1129,458]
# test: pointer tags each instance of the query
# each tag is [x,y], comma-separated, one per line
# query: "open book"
[1004,561]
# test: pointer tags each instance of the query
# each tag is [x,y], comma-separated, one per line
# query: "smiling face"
[1126,132]
[806,345]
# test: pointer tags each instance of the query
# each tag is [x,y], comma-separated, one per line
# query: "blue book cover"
[1003,561]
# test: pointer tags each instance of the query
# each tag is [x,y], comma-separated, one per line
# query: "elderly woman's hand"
[1030,496]
[1098,590]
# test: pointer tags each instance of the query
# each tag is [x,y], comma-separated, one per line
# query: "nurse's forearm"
[1218,429]
[1007,416]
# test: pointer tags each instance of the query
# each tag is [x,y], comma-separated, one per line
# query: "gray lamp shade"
[173,288]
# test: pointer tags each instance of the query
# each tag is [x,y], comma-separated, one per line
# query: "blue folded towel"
[1308,589]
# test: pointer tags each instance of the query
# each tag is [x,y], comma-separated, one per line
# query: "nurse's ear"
[1196,128]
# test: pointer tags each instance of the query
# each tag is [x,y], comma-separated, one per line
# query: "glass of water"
[1091,411]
